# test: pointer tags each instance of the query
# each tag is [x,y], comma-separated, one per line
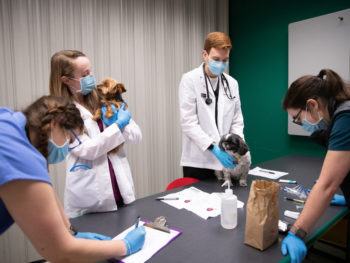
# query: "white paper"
[154,241]
[292,214]
[201,203]
[271,174]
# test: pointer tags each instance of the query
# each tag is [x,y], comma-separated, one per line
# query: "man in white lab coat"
[209,108]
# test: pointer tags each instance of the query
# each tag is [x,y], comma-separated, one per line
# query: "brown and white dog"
[234,145]
[109,92]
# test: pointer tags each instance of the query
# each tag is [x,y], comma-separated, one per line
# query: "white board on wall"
[317,43]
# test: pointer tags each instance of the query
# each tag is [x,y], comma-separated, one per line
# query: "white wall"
[317,43]
[146,44]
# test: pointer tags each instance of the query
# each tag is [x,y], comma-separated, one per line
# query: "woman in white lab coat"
[209,108]
[97,180]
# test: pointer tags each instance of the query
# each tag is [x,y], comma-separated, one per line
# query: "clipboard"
[154,242]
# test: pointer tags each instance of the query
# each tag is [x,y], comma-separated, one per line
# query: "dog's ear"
[109,82]
[243,147]
[120,88]
[239,143]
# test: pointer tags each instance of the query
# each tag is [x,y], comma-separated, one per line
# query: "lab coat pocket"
[81,188]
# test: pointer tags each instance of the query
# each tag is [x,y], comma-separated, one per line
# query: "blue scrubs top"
[19,159]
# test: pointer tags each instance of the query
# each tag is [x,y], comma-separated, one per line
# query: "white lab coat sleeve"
[237,125]
[132,132]
[188,114]
[102,143]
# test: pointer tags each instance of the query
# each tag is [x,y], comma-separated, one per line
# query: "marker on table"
[137,222]
[265,171]
[167,198]
[295,200]
[287,181]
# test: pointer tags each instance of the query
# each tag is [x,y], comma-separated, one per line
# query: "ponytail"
[327,86]
[334,86]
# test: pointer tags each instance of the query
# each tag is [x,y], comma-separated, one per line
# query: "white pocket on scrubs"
[81,187]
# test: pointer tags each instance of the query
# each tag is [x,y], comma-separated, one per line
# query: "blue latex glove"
[124,117]
[93,236]
[225,159]
[338,200]
[295,247]
[134,240]
[111,120]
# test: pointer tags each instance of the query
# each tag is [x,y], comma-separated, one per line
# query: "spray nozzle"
[228,190]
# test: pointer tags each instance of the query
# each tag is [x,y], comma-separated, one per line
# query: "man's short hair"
[217,40]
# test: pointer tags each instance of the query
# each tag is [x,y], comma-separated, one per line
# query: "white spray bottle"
[228,209]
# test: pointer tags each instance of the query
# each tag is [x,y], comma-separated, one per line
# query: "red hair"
[217,40]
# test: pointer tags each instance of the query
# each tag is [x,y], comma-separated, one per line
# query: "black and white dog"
[234,145]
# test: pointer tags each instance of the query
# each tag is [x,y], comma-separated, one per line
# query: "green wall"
[259,61]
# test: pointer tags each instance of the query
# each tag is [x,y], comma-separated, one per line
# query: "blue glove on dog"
[93,236]
[124,117]
[225,159]
[338,200]
[111,120]
[134,240]
[295,247]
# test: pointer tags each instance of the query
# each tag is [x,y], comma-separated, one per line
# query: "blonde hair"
[62,64]
[217,40]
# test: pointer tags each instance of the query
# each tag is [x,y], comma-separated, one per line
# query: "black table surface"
[205,240]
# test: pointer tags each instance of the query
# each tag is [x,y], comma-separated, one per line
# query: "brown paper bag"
[261,228]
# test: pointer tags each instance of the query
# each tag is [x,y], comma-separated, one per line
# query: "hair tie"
[322,75]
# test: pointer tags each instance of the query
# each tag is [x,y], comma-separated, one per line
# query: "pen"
[167,198]
[287,181]
[264,171]
[295,200]
[137,222]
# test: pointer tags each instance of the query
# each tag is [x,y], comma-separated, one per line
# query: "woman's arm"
[63,215]
[335,168]
[34,208]
[92,148]
[132,132]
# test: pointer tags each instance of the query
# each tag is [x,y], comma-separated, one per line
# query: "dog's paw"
[243,182]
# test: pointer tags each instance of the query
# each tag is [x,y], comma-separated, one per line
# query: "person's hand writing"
[134,240]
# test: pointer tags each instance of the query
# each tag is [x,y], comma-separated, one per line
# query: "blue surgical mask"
[87,84]
[217,67]
[313,127]
[57,153]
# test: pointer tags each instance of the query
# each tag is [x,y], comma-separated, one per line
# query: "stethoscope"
[227,89]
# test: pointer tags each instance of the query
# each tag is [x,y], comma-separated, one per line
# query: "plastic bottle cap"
[229,191]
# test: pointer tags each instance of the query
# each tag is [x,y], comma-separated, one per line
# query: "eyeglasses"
[76,142]
[296,118]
